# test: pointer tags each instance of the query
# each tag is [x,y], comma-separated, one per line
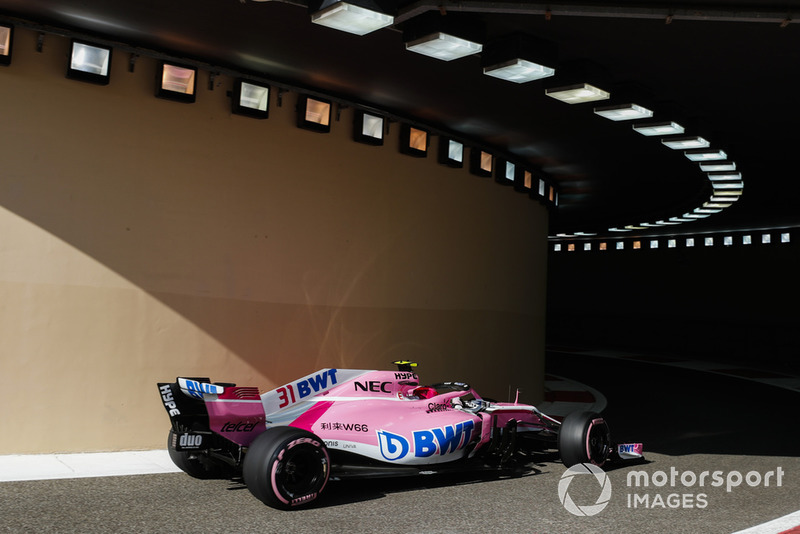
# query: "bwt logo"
[291,393]
[602,500]
[197,389]
[443,440]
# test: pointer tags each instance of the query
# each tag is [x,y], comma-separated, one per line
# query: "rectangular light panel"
[90,59]
[318,112]
[443,46]
[527,179]
[723,176]
[625,112]
[705,155]
[418,139]
[519,71]
[254,96]
[510,171]
[351,18]
[723,192]
[486,162]
[176,79]
[5,44]
[250,99]
[718,166]
[455,151]
[659,128]
[177,83]
[685,143]
[578,94]
[372,126]
[727,185]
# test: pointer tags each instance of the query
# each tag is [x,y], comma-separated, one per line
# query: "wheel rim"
[598,441]
[301,471]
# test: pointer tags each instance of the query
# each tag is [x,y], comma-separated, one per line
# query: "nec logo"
[373,385]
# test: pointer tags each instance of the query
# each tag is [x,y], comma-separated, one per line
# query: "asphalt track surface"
[690,422]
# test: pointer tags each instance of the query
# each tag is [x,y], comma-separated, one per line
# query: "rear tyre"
[193,464]
[286,467]
[584,438]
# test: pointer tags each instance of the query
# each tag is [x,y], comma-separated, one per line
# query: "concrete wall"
[141,239]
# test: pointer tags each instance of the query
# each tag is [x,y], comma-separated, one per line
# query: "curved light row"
[728,239]
[726,181]
[520,62]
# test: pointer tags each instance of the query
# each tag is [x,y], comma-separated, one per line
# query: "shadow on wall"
[159,239]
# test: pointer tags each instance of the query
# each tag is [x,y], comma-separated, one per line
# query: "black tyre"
[193,464]
[286,467]
[584,438]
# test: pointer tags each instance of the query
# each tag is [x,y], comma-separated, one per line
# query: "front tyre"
[286,467]
[584,438]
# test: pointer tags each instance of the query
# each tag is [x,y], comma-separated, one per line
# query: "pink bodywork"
[377,414]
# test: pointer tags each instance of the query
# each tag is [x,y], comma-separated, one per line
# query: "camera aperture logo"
[589,509]
[646,488]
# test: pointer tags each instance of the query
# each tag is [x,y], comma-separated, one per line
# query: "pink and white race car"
[287,443]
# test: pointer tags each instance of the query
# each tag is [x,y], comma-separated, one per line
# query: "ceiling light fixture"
[6,38]
[702,154]
[443,46]
[89,63]
[716,198]
[444,37]
[506,173]
[356,17]
[518,58]
[451,152]
[659,128]
[722,176]
[623,112]
[718,166]
[314,114]
[250,99]
[413,141]
[727,192]
[177,82]
[578,93]
[727,185]
[519,71]
[685,143]
[481,162]
[368,128]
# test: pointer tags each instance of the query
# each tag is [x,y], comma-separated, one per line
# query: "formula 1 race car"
[288,442]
